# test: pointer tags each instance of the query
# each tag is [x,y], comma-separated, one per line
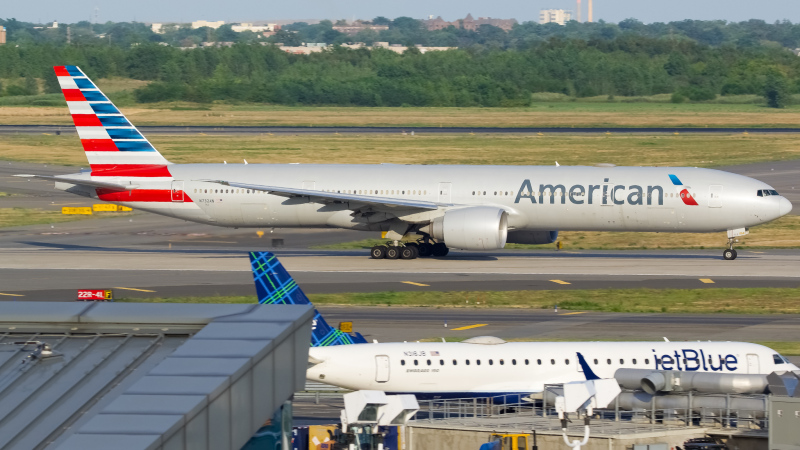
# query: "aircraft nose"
[784,207]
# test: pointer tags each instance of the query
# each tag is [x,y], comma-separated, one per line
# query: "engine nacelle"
[473,228]
[532,237]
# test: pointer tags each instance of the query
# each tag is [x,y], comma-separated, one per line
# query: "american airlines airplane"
[466,207]
[488,366]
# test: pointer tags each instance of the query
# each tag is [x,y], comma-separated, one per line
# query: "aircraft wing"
[335,197]
[84,182]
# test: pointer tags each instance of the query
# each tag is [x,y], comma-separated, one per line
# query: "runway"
[154,256]
[249,130]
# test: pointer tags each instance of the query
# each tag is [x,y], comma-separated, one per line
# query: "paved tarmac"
[244,130]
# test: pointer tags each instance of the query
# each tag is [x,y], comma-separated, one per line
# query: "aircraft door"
[381,368]
[177,191]
[752,363]
[715,196]
[445,192]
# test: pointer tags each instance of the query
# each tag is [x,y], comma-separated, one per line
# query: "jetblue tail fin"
[274,285]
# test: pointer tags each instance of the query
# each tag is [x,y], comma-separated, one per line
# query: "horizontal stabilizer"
[274,285]
[84,182]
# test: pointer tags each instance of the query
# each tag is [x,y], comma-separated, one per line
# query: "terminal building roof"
[146,376]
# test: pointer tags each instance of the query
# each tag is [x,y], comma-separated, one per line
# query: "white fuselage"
[537,198]
[438,370]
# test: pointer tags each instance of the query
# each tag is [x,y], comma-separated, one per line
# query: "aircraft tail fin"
[113,146]
[274,285]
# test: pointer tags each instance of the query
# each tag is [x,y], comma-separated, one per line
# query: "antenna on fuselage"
[245,161]
[557,164]
[665,339]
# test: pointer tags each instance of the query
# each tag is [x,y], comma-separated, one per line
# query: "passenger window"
[502,362]
[633,361]
[595,361]
[429,362]
[566,361]
[513,362]
[441,362]
[646,361]
[526,362]
[491,363]
[455,363]
[478,362]
[539,361]
[402,362]
[553,362]
[609,361]
[416,363]
[467,361]
[621,361]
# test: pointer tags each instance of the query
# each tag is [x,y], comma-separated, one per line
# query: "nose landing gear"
[730,254]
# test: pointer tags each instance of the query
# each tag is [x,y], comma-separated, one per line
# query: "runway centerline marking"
[707,280]
[560,282]
[12,295]
[133,289]
[470,326]
[415,284]
[573,313]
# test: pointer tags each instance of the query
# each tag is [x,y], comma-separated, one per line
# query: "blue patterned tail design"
[274,285]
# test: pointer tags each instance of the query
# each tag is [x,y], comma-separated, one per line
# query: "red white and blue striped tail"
[113,145]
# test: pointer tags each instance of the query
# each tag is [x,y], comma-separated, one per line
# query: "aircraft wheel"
[729,254]
[378,252]
[439,249]
[425,249]
[392,252]
[408,252]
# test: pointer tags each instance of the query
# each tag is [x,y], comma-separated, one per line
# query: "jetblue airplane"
[466,207]
[488,366]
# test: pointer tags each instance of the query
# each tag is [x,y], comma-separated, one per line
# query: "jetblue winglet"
[274,285]
[587,371]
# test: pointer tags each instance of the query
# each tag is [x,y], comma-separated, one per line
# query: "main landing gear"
[729,254]
[409,250]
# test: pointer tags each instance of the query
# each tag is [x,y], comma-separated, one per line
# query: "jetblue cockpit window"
[767,192]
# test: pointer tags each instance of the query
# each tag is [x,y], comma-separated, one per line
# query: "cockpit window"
[767,192]
[778,359]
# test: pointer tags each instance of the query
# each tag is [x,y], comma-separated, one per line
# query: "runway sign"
[104,207]
[95,295]
[82,210]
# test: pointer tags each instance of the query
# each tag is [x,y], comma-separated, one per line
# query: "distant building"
[246,26]
[354,28]
[558,16]
[157,28]
[795,51]
[468,23]
[54,25]
[203,23]
[2,35]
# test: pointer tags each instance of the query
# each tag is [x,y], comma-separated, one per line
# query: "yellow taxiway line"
[707,280]
[12,295]
[133,289]
[560,282]
[415,284]
[573,313]
[470,326]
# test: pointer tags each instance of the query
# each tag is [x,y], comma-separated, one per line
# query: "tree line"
[629,64]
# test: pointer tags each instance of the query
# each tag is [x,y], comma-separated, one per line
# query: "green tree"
[776,89]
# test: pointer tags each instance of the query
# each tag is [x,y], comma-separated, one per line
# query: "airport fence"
[511,413]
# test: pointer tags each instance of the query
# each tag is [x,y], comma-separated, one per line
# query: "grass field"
[596,114]
[498,149]
[782,233]
[723,300]
[14,217]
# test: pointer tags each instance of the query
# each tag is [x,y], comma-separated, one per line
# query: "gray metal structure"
[146,376]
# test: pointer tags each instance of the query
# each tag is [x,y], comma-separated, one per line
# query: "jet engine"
[532,237]
[473,228]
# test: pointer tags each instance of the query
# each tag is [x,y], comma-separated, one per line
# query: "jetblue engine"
[532,237]
[473,228]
